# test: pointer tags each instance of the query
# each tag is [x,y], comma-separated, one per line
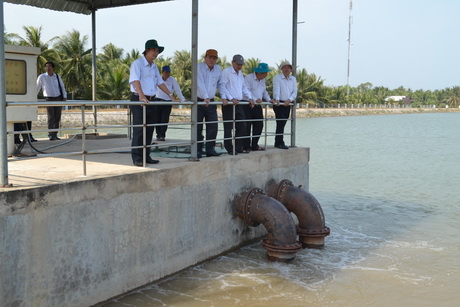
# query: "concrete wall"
[80,243]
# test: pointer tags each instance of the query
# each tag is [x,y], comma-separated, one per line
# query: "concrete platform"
[33,169]
[73,240]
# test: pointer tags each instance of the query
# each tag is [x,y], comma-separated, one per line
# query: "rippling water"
[389,188]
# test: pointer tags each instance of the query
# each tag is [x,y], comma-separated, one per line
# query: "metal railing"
[192,142]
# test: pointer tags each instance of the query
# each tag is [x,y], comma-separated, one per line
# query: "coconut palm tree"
[33,38]
[249,65]
[454,97]
[75,63]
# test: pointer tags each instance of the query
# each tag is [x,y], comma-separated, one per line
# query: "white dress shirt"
[257,87]
[284,88]
[234,84]
[209,80]
[49,85]
[173,86]
[147,75]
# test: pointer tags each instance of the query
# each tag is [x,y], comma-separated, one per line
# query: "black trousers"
[282,114]
[54,119]
[240,127]
[208,114]
[161,114]
[137,153]
[21,127]
[255,126]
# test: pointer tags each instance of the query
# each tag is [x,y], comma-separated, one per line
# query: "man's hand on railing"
[235,101]
[207,100]
[287,102]
[224,102]
[251,103]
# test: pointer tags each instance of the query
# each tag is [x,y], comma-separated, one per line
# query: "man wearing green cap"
[255,82]
[144,78]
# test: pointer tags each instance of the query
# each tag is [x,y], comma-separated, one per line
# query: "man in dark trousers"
[235,91]
[284,92]
[144,78]
[53,90]
[255,82]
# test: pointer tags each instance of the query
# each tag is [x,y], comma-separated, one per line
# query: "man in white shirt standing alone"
[162,112]
[284,92]
[53,90]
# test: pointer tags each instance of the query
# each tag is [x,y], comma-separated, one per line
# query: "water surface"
[389,188]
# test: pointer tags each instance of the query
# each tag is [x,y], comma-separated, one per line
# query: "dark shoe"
[212,153]
[32,139]
[258,148]
[248,149]
[243,151]
[152,161]
[231,153]
[17,141]
[199,155]
[54,138]
[138,163]
[162,139]
[282,146]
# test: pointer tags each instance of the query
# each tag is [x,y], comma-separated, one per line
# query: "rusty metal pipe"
[255,208]
[311,229]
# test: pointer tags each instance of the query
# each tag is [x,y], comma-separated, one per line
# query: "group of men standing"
[148,85]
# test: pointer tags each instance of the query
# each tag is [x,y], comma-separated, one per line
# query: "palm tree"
[10,38]
[249,65]
[454,97]
[130,57]
[113,83]
[75,63]
[308,87]
[182,70]
[33,38]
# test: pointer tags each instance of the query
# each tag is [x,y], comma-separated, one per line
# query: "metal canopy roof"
[80,6]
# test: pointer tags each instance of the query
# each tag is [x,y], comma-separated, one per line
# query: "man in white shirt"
[162,112]
[53,90]
[255,82]
[144,78]
[284,92]
[233,80]
[209,79]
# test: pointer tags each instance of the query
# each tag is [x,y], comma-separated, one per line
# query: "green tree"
[454,97]
[76,64]
[33,38]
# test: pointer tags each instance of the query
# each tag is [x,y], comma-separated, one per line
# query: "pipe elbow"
[255,208]
[311,229]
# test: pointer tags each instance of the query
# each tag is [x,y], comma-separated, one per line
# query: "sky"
[409,43]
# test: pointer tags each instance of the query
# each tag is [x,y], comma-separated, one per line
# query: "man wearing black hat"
[144,78]
[163,111]
[255,82]
[235,91]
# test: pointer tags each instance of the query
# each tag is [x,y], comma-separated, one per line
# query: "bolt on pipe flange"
[313,238]
[277,190]
[244,203]
[281,253]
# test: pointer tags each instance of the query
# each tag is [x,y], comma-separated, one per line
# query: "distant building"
[403,99]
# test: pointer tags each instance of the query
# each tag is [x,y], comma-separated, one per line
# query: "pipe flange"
[247,206]
[280,189]
[314,232]
[288,248]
